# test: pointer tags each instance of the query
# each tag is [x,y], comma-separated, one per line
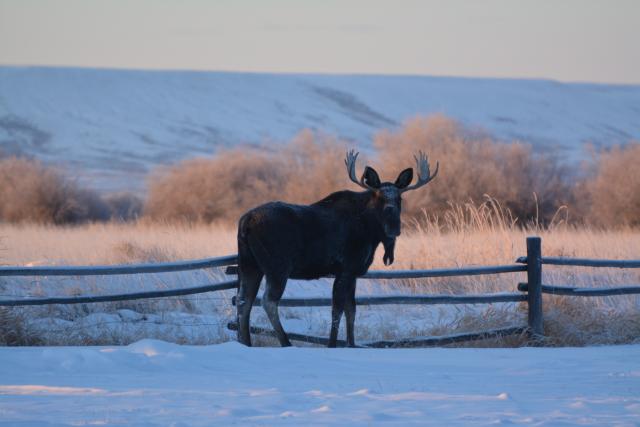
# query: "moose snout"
[391,216]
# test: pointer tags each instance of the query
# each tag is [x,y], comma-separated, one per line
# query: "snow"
[114,126]
[202,318]
[151,383]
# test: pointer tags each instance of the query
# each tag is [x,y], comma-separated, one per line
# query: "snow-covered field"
[113,126]
[154,383]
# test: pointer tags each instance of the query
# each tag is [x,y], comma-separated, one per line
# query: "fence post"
[534,278]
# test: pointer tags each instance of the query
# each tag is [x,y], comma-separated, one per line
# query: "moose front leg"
[350,310]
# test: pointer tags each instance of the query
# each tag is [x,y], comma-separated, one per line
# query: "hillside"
[112,126]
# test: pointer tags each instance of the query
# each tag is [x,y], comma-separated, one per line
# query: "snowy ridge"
[113,126]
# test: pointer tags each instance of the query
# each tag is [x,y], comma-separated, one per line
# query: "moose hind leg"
[249,284]
[272,295]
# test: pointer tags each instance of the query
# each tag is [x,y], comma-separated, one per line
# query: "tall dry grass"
[112,243]
[472,234]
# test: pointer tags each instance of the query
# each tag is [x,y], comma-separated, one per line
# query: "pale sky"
[567,40]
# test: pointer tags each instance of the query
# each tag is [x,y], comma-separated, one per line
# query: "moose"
[336,236]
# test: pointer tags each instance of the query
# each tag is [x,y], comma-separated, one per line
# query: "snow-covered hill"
[113,126]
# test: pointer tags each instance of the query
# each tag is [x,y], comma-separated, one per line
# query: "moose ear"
[404,179]
[370,177]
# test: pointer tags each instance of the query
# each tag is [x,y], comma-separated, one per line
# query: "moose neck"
[359,205]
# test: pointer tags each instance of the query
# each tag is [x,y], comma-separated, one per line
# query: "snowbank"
[157,383]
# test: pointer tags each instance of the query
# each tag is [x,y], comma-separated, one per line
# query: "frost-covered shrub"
[221,188]
[530,185]
[472,165]
[32,192]
[613,192]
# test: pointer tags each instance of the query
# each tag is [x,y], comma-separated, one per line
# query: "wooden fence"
[529,292]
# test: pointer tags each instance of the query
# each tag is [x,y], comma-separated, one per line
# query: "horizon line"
[316,73]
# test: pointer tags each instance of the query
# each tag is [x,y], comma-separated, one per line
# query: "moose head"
[387,196]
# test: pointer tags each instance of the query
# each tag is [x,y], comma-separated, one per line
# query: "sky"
[566,40]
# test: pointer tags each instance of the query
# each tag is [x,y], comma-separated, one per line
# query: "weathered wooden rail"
[404,299]
[407,342]
[530,291]
[103,270]
[231,284]
[164,267]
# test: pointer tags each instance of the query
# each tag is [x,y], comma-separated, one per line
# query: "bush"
[223,187]
[613,192]
[473,166]
[31,192]
[123,206]
[532,186]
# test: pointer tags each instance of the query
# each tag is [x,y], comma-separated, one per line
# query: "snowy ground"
[202,319]
[153,383]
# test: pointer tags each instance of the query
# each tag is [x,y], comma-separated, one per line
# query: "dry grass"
[468,235]
[15,330]
[112,243]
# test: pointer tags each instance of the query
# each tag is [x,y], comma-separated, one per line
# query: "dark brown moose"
[336,236]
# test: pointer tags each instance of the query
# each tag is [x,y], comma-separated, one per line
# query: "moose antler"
[350,162]
[424,176]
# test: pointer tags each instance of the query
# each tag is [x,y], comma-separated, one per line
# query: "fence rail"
[530,291]
[103,270]
[444,272]
[231,284]
[449,339]
[586,262]
[583,292]
[424,274]
[402,343]
[403,300]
